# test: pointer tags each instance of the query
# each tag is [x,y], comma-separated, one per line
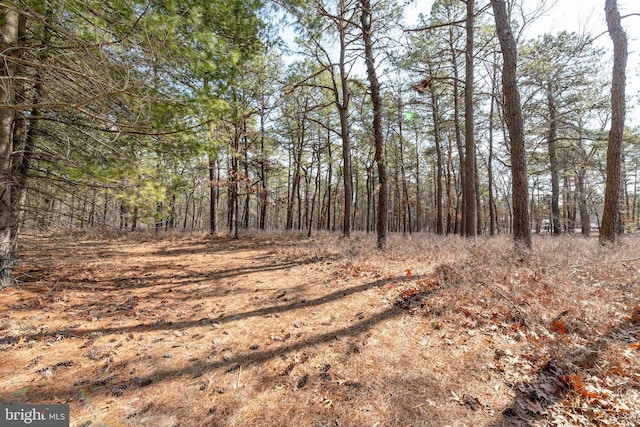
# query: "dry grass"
[279,330]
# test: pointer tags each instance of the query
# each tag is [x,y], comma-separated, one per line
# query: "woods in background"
[192,115]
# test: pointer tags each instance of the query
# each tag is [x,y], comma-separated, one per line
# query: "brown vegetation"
[284,330]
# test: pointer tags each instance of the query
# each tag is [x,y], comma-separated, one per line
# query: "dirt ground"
[284,330]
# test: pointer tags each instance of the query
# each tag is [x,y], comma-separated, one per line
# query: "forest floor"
[284,330]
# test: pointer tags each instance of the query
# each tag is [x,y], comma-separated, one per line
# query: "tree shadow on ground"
[77,275]
[178,277]
[199,367]
[163,325]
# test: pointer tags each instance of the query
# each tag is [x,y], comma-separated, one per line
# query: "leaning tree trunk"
[614,148]
[515,125]
[8,210]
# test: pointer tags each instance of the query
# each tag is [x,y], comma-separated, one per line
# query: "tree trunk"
[134,218]
[460,223]
[469,193]
[297,164]
[492,211]
[376,101]
[553,162]
[369,196]
[396,219]
[159,216]
[635,197]
[92,212]
[404,205]
[316,189]
[419,211]
[329,180]
[8,211]
[262,199]
[213,196]
[450,186]
[346,165]
[479,211]
[614,147]
[515,125]
[246,182]
[438,143]
[302,200]
[342,97]
[24,131]
[585,219]
[235,189]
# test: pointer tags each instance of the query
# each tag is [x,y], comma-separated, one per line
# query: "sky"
[572,15]
[584,17]
[587,16]
[581,16]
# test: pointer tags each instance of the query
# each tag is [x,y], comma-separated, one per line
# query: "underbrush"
[282,329]
[570,307]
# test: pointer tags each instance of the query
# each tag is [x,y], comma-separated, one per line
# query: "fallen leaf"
[494,319]
[577,384]
[559,327]
[408,294]
[573,381]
